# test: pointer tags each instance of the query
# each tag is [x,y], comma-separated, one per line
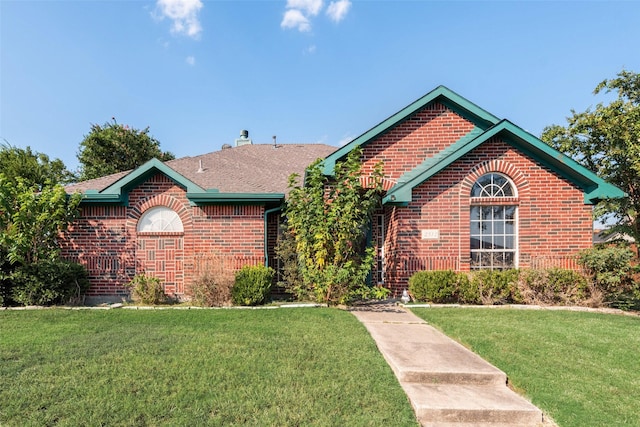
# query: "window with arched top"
[493,240]
[160,219]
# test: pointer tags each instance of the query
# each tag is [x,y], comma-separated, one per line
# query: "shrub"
[608,267]
[252,285]
[555,286]
[437,286]
[212,290]
[49,282]
[289,275]
[497,286]
[468,292]
[147,290]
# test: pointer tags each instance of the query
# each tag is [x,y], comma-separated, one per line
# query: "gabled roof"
[465,108]
[255,173]
[594,187]
[486,126]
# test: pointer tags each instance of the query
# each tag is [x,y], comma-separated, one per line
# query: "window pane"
[475,259]
[492,185]
[498,212]
[487,212]
[486,242]
[498,242]
[476,190]
[509,242]
[510,212]
[487,227]
[509,227]
[475,213]
[475,228]
[475,242]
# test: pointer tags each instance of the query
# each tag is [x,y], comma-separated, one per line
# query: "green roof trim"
[144,172]
[118,192]
[594,187]
[470,111]
[208,198]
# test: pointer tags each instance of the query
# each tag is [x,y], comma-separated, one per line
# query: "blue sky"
[197,71]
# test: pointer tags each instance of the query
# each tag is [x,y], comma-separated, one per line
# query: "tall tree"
[113,148]
[607,141]
[328,222]
[36,169]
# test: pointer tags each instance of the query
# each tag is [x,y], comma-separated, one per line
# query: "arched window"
[493,223]
[160,219]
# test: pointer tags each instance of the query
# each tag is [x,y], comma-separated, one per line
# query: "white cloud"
[191,60]
[298,13]
[293,18]
[184,14]
[310,50]
[308,7]
[337,10]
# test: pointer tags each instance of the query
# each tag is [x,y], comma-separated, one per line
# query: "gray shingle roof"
[256,168]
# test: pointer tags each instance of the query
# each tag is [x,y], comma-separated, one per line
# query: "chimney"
[244,138]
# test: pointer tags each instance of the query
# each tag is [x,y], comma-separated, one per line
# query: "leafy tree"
[607,141]
[113,148]
[328,221]
[32,218]
[35,168]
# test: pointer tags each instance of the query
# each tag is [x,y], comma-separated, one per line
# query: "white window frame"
[492,193]
[160,219]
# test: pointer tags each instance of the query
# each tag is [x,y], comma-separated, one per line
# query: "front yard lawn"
[122,367]
[583,369]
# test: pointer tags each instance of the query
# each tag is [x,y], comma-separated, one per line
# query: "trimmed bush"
[49,282]
[437,286]
[253,285]
[147,290]
[497,286]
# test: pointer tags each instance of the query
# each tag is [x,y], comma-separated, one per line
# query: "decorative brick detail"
[106,241]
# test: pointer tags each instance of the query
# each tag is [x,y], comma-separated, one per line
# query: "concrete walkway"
[447,384]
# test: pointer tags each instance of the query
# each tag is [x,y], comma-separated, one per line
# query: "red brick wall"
[422,135]
[106,241]
[553,223]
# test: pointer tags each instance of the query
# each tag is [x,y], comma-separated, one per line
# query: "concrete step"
[419,353]
[460,405]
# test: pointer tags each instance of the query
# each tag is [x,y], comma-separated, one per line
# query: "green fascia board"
[594,187]
[449,98]
[213,198]
[93,196]
[144,172]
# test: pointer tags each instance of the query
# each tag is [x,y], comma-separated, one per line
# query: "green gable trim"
[146,171]
[461,106]
[594,187]
[118,192]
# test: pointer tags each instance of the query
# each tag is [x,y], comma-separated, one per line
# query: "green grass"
[583,369]
[194,367]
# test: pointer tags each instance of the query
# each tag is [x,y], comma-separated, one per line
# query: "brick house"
[171,219]
[463,190]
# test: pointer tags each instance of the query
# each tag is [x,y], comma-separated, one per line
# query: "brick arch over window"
[172,203]
[496,166]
